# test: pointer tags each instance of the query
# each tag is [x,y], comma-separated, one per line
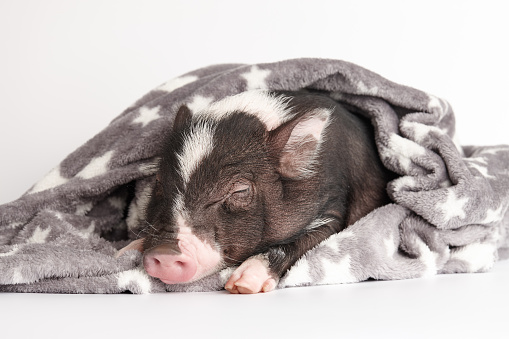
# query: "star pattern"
[481,169]
[39,236]
[362,88]
[147,115]
[453,206]
[173,84]
[333,260]
[136,277]
[96,167]
[338,272]
[494,215]
[256,78]
[199,102]
[51,180]
[495,150]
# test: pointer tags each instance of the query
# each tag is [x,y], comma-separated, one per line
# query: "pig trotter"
[253,276]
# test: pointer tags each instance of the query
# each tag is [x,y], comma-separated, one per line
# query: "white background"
[67,68]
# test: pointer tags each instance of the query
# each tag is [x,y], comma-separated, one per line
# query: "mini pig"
[255,180]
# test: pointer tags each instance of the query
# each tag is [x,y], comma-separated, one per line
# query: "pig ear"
[134,245]
[297,142]
[182,118]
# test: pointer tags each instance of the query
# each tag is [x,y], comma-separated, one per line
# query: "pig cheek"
[207,258]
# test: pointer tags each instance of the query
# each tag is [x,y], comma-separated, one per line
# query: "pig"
[254,181]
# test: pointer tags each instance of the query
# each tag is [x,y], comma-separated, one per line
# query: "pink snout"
[162,262]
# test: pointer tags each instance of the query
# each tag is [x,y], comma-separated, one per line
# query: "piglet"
[255,180]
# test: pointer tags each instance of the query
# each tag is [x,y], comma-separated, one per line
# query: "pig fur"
[448,210]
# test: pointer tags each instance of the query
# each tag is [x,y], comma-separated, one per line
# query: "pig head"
[256,180]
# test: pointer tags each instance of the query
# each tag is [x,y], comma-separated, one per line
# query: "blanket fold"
[449,210]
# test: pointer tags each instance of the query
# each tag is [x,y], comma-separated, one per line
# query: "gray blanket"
[448,213]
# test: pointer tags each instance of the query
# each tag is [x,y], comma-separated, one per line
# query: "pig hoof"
[251,277]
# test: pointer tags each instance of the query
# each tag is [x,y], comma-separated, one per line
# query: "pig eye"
[241,191]
[240,195]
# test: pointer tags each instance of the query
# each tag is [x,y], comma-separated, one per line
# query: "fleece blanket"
[448,213]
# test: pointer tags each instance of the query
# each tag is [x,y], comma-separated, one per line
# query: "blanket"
[448,212]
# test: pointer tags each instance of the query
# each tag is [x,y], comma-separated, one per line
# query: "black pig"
[256,180]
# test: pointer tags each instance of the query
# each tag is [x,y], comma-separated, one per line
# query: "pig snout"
[185,260]
[162,262]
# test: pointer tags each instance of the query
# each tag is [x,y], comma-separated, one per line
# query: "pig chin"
[197,259]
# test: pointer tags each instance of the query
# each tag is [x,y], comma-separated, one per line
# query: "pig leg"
[262,272]
[252,276]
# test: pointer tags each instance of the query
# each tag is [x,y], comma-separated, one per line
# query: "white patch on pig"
[179,209]
[271,110]
[197,145]
[206,255]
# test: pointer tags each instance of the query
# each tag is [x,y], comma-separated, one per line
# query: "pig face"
[219,189]
[208,201]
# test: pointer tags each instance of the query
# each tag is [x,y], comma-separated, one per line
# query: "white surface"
[67,68]
[452,306]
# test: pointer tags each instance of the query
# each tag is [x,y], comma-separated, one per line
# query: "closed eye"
[243,191]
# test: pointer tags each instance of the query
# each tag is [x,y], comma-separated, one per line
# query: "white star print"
[52,179]
[87,232]
[495,150]
[481,169]
[494,215]
[39,236]
[96,167]
[147,115]
[256,78]
[135,276]
[363,89]
[199,102]
[173,84]
[338,272]
[453,206]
